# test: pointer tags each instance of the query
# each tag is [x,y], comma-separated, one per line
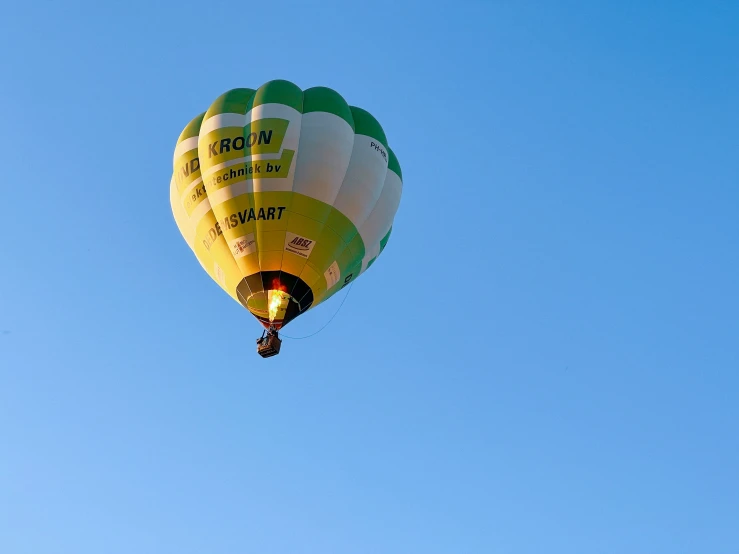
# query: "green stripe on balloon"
[278,92]
[366,124]
[393,164]
[322,99]
[192,129]
[384,240]
[233,101]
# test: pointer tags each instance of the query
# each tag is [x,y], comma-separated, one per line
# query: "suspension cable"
[328,322]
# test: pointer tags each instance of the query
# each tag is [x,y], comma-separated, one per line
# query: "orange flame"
[278,297]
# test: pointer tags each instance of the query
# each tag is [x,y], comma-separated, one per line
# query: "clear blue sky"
[561,280]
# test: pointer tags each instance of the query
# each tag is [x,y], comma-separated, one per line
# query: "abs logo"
[298,245]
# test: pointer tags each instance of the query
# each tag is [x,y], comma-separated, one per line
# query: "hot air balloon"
[285,196]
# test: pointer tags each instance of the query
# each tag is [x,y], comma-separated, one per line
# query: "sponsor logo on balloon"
[300,244]
[296,244]
[263,169]
[243,246]
[239,143]
[263,136]
[196,195]
[240,218]
[186,170]
[332,275]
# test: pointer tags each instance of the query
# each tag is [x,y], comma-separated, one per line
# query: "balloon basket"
[269,345]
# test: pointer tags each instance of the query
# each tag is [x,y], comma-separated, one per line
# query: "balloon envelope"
[285,196]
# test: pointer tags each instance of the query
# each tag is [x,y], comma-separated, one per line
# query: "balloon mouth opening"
[271,306]
[274,298]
